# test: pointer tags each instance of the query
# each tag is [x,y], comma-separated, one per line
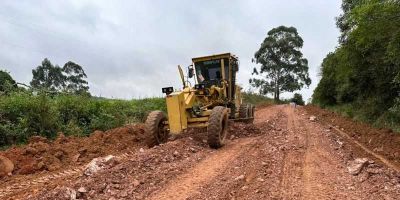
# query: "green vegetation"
[23,114]
[7,83]
[283,68]
[256,99]
[298,99]
[58,100]
[361,77]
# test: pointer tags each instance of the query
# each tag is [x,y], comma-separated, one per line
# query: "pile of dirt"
[382,141]
[41,154]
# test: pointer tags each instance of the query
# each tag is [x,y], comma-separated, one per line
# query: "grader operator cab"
[214,99]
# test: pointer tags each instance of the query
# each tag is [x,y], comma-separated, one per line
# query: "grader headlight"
[167,90]
[199,86]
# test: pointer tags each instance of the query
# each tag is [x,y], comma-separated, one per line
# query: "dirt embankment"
[381,141]
[44,155]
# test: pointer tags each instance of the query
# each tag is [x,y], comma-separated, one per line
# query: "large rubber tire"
[217,127]
[243,111]
[251,113]
[156,133]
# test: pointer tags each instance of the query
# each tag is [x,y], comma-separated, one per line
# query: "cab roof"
[214,57]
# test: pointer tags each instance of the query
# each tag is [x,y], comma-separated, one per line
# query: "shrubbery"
[23,114]
[361,77]
[256,99]
[298,99]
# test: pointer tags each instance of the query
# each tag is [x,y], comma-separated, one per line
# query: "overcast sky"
[131,49]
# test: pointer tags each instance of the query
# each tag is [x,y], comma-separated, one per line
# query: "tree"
[75,79]
[7,83]
[283,68]
[298,99]
[344,22]
[48,77]
[70,78]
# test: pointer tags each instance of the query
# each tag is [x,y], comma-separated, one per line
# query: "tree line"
[361,77]
[71,78]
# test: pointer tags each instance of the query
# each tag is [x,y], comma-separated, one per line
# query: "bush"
[23,114]
[298,99]
[256,99]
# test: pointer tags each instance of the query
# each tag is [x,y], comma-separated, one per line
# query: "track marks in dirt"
[294,155]
[188,183]
[253,174]
[324,175]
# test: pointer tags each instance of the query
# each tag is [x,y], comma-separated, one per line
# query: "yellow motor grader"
[214,99]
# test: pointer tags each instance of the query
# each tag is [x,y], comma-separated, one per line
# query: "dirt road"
[284,155]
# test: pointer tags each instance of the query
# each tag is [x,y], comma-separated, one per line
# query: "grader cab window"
[210,71]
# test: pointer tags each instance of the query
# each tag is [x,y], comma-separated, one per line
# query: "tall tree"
[47,76]
[7,83]
[283,68]
[345,22]
[75,78]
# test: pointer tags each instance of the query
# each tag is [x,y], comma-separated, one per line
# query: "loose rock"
[98,164]
[136,183]
[82,190]
[6,166]
[241,177]
[356,166]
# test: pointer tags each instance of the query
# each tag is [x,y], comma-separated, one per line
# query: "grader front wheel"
[156,132]
[217,127]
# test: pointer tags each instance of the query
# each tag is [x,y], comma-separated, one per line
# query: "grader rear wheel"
[217,127]
[156,133]
[243,111]
[251,113]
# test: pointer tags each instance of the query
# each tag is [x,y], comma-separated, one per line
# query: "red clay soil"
[151,169]
[283,155]
[41,154]
[382,141]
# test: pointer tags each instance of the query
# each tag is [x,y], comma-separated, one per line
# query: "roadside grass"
[23,115]
[256,99]
[389,119]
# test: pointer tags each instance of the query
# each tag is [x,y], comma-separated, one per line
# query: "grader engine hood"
[177,103]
